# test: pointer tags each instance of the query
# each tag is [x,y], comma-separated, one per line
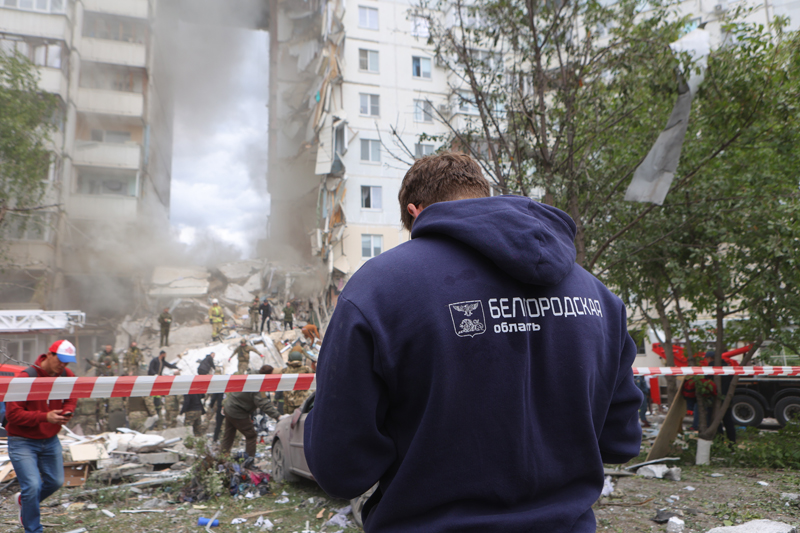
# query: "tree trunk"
[672,386]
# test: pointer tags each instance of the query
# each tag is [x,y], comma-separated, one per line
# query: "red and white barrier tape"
[30,389]
[717,371]
[25,389]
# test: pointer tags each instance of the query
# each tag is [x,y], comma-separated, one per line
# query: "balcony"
[31,254]
[52,80]
[125,8]
[113,155]
[34,24]
[103,207]
[110,102]
[114,52]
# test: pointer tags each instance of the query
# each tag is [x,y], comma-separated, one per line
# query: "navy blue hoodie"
[479,374]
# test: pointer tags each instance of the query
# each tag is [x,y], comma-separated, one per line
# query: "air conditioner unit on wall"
[445,109]
[720,8]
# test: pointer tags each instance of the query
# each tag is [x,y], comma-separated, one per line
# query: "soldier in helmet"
[243,354]
[133,359]
[215,316]
[294,399]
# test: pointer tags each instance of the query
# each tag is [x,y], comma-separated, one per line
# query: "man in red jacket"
[33,444]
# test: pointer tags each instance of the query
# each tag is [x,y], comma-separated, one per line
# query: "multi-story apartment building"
[353,84]
[110,176]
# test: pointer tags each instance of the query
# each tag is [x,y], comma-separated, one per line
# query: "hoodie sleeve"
[621,437]
[345,445]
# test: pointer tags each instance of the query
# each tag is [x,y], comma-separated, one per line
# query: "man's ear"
[414,211]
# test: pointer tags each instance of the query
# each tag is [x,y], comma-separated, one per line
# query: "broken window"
[370,104]
[371,245]
[371,197]
[339,143]
[368,17]
[107,181]
[423,111]
[421,67]
[419,26]
[370,150]
[368,60]
[421,150]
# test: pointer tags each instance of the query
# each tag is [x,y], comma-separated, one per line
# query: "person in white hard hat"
[33,444]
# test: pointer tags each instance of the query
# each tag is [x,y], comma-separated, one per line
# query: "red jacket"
[29,419]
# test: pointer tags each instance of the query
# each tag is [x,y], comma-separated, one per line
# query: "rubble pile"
[188,293]
[213,475]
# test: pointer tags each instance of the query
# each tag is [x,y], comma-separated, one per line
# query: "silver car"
[289,458]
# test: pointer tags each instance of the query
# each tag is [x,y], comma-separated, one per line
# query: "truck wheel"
[787,410]
[747,411]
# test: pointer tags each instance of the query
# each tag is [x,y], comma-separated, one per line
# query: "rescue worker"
[140,408]
[107,351]
[193,412]
[133,359]
[215,316]
[239,407]
[265,310]
[172,408]
[165,320]
[254,314]
[104,368]
[157,364]
[86,416]
[294,399]
[311,333]
[242,352]
[288,317]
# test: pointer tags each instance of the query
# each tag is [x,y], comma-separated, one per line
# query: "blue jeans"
[40,471]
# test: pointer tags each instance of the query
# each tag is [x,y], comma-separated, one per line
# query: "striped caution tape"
[25,389]
[32,389]
[717,371]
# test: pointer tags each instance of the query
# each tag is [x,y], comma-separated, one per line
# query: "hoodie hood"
[530,241]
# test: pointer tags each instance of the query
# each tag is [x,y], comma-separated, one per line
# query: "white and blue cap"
[64,350]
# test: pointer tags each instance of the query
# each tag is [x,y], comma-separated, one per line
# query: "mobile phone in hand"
[68,413]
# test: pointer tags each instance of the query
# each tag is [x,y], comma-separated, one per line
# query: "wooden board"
[75,473]
[669,429]
[7,472]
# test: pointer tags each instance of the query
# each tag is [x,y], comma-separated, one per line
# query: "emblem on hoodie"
[468,318]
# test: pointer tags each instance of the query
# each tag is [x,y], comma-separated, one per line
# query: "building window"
[421,150]
[28,227]
[370,150]
[368,60]
[466,103]
[46,6]
[42,54]
[112,78]
[107,181]
[371,197]
[368,17]
[113,28]
[110,136]
[370,104]
[419,26]
[421,67]
[371,245]
[423,111]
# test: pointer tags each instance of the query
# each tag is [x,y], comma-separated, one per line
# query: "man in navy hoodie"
[486,301]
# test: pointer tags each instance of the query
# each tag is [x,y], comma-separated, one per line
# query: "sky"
[219,165]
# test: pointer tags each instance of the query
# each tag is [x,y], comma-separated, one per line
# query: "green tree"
[26,122]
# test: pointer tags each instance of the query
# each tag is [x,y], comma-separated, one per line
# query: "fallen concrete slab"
[756,526]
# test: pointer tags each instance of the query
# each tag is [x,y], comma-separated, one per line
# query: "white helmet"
[214,301]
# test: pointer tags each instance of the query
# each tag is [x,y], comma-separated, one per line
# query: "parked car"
[289,458]
[760,396]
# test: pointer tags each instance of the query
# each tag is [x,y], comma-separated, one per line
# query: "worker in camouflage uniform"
[239,408]
[215,316]
[172,408]
[193,412]
[86,416]
[294,399]
[133,359]
[104,367]
[140,408]
[288,317]
[254,314]
[116,414]
[242,352]
[165,321]
[107,351]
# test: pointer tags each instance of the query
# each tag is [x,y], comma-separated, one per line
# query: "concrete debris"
[340,518]
[239,271]
[108,513]
[756,526]
[675,525]
[264,523]
[237,293]
[763,483]
[790,496]
[184,282]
